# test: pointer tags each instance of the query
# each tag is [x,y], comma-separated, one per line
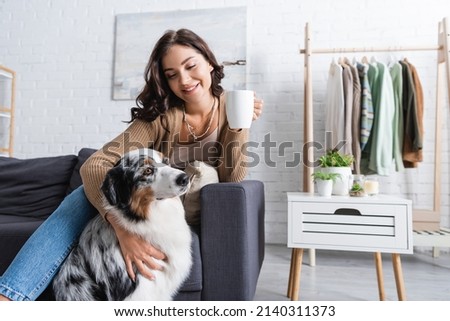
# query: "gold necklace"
[191,129]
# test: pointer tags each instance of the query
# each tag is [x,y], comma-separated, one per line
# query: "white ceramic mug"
[239,108]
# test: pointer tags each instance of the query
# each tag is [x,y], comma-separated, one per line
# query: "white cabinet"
[371,224]
[368,224]
[7,88]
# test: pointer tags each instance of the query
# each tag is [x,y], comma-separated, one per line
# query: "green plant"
[356,188]
[335,159]
[325,176]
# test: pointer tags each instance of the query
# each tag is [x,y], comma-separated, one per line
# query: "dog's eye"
[148,171]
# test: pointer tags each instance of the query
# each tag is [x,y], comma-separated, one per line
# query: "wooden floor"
[351,276]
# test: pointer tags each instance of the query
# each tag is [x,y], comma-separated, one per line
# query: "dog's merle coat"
[142,194]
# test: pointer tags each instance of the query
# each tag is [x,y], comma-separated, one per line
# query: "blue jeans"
[37,262]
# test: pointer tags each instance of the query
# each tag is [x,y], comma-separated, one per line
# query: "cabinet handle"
[347,211]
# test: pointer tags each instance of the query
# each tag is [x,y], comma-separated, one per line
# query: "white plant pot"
[342,184]
[324,187]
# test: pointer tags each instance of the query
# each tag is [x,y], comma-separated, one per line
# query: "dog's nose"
[182,180]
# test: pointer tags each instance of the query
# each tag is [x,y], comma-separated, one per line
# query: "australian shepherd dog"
[142,194]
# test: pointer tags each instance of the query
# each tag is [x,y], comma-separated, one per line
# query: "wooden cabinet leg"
[380,279]
[398,273]
[294,276]
[291,274]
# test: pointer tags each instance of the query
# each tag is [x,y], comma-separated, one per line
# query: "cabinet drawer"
[350,226]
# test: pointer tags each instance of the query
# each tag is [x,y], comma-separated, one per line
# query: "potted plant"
[358,185]
[357,190]
[335,162]
[324,182]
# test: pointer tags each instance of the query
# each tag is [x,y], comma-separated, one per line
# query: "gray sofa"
[228,246]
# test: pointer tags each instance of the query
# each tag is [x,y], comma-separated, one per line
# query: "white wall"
[63,54]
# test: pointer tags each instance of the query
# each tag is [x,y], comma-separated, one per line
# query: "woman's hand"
[137,253]
[257,108]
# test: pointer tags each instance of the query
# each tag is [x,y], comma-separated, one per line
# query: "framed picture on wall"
[224,29]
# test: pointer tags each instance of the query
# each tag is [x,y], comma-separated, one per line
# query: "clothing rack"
[369,49]
[423,219]
[427,221]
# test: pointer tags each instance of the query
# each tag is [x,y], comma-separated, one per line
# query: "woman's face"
[188,74]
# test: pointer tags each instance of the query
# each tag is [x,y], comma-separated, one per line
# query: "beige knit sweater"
[161,135]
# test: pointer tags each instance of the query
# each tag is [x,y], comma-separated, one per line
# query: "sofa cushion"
[34,187]
[14,231]
[75,179]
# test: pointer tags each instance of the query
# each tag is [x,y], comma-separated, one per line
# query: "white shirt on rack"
[335,108]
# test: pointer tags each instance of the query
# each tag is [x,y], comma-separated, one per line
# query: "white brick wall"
[63,54]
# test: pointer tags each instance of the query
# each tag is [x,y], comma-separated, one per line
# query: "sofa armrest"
[232,239]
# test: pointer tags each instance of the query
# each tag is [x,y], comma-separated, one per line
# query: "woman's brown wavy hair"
[157,97]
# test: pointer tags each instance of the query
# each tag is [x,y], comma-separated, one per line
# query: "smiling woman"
[180,64]
[190,79]
[181,106]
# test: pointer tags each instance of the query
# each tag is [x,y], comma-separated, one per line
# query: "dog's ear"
[116,187]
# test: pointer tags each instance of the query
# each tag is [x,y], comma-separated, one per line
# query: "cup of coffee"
[239,108]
